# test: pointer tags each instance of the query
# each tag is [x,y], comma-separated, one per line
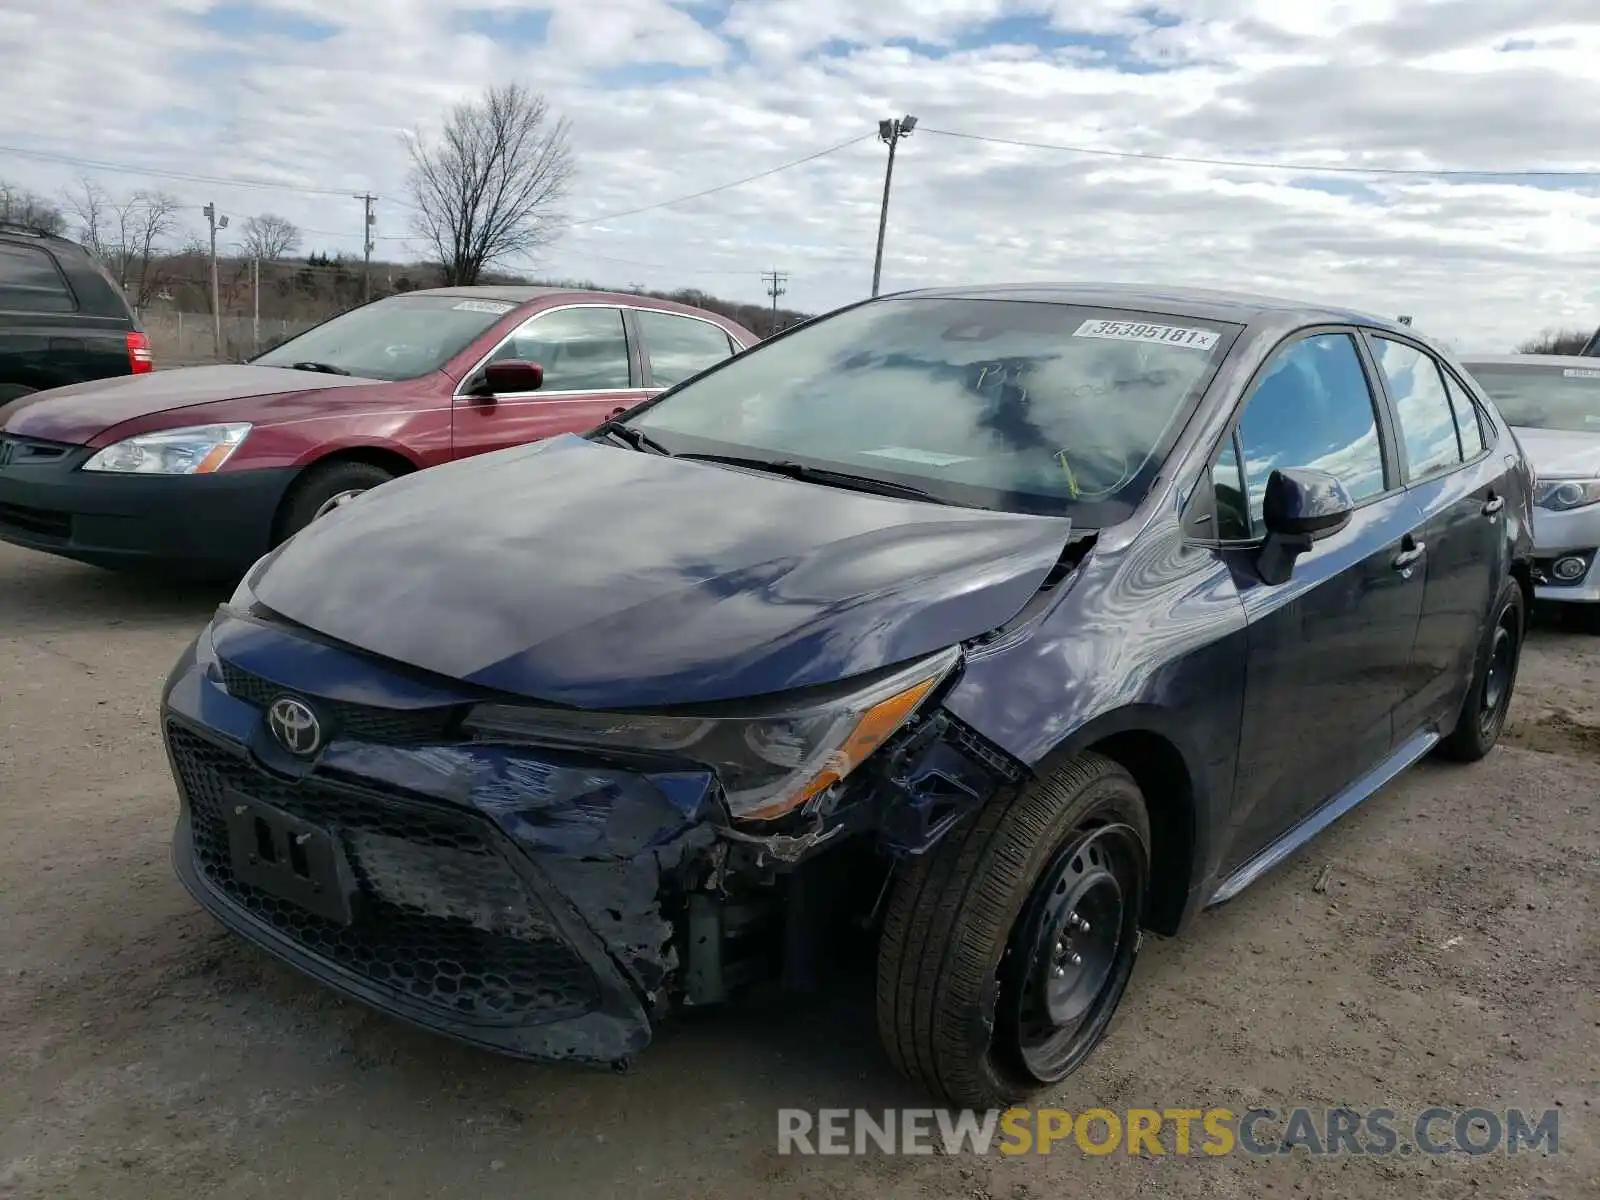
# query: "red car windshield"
[401,337]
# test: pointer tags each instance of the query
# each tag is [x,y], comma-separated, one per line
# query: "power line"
[163,173]
[1271,164]
[721,187]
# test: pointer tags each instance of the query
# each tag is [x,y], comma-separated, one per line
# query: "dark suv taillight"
[139,356]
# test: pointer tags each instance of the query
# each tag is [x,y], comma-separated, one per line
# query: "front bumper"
[1558,535]
[218,523]
[507,902]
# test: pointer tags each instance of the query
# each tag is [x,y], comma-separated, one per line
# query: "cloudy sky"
[669,96]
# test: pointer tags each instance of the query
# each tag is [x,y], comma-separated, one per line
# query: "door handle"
[1493,504]
[1409,558]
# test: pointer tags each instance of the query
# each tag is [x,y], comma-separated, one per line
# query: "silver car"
[1552,403]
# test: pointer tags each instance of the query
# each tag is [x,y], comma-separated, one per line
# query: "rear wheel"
[1007,948]
[1483,714]
[325,487]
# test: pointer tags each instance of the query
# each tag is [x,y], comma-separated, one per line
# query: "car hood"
[1555,452]
[82,411]
[591,575]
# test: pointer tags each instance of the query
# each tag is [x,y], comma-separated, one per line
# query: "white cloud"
[1453,83]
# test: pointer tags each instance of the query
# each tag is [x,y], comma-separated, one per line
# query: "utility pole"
[775,280]
[216,223]
[890,131]
[255,319]
[367,201]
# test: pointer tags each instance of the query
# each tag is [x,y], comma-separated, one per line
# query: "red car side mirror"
[510,375]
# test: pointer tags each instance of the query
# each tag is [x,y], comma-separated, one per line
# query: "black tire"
[320,485]
[969,938]
[1494,679]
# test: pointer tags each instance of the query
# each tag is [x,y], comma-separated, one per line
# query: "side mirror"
[511,375]
[1301,508]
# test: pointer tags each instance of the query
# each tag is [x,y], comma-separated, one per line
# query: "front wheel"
[1006,949]
[1494,678]
[325,487]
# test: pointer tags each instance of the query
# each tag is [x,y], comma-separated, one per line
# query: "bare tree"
[1564,341]
[125,234]
[18,206]
[269,238]
[490,188]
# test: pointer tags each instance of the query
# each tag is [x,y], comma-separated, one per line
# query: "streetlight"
[889,131]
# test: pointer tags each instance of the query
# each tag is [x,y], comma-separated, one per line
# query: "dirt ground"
[1453,959]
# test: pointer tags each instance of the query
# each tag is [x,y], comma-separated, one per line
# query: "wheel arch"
[1146,742]
[388,459]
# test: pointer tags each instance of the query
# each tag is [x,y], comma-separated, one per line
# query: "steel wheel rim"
[1497,679]
[1071,952]
[337,500]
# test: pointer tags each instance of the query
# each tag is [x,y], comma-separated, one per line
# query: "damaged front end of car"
[547,883]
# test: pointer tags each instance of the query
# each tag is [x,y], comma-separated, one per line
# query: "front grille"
[389,726]
[41,521]
[16,450]
[441,918]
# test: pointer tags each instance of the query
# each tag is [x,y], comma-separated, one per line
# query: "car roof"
[1243,308]
[511,293]
[1531,360]
[520,293]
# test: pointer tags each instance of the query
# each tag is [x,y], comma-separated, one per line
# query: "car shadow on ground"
[53,589]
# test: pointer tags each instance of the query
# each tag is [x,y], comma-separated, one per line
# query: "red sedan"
[206,469]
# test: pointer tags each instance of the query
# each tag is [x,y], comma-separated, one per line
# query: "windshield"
[402,337]
[1035,407]
[1543,397]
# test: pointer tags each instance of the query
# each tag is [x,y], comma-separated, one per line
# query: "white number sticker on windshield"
[1580,373]
[484,306]
[1141,331]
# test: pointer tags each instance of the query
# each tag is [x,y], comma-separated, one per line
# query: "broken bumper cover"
[510,904]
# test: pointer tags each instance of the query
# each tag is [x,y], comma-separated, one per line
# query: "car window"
[1313,408]
[1233,513]
[580,349]
[1421,406]
[399,337]
[1537,396]
[679,347]
[1469,421]
[31,282]
[1062,409]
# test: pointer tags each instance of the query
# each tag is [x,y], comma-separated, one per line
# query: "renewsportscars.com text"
[1169,1131]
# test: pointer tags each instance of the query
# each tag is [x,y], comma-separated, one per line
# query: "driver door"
[1328,650]
[591,370]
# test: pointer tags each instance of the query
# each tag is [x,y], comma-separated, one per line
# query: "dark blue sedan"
[1007,622]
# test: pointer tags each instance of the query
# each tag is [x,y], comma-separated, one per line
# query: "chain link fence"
[184,339]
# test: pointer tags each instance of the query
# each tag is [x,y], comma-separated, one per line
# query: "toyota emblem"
[295,726]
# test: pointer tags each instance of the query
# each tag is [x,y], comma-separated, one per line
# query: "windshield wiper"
[628,435]
[823,475]
[324,368]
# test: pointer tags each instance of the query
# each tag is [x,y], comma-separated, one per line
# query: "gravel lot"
[1453,959]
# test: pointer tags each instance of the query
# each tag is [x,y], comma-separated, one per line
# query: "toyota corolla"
[1007,622]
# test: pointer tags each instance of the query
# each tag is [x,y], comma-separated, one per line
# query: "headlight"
[769,762]
[1558,495]
[196,450]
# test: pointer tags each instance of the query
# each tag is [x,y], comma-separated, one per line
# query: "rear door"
[590,372]
[1328,649]
[677,345]
[1458,483]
